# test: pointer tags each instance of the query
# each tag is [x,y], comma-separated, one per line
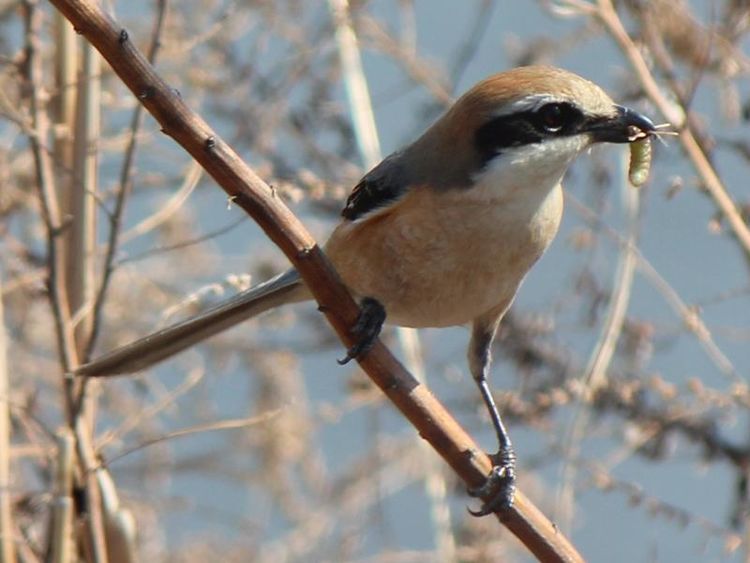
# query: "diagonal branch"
[247,190]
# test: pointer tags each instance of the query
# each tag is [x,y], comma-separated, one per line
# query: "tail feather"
[149,350]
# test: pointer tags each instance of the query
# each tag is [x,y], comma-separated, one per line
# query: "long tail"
[149,350]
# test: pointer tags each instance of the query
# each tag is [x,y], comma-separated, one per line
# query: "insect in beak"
[640,152]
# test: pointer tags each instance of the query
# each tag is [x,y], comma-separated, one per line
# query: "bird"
[443,231]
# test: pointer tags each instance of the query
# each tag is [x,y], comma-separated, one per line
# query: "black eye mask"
[555,119]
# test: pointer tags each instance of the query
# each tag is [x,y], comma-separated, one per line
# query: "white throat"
[527,173]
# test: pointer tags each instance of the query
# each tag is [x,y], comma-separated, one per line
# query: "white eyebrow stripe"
[531,102]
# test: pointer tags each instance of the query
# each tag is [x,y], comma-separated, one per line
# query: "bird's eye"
[552,117]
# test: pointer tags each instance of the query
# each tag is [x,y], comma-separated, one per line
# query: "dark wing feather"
[382,185]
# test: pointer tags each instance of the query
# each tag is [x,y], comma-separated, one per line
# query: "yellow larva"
[640,161]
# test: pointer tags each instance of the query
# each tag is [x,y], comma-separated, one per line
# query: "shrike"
[443,231]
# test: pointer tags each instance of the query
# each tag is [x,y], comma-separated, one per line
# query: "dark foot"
[367,328]
[500,486]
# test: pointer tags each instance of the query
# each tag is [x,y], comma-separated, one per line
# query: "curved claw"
[499,488]
[367,328]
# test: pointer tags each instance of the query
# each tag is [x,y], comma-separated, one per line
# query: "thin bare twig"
[150,411]
[210,235]
[193,175]
[124,189]
[231,424]
[479,27]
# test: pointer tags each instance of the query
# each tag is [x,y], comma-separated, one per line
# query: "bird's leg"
[500,483]
[367,328]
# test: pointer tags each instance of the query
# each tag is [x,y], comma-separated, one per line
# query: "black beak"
[619,127]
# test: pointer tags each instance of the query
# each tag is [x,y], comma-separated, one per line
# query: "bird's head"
[527,124]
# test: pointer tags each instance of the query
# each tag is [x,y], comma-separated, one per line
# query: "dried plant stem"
[63,105]
[80,268]
[357,91]
[601,357]
[79,202]
[58,290]
[80,205]
[95,539]
[607,14]
[7,549]
[119,521]
[123,192]
[594,376]
[150,411]
[248,191]
[50,207]
[417,69]
[62,505]
[688,315]
[219,425]
[167,209]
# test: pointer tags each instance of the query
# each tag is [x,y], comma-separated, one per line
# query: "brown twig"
[248,191]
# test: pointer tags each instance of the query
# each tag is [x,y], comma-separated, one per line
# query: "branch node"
[146,93]
[305,252]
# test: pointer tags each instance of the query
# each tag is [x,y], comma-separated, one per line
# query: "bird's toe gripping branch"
[500,487]
[366,329]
